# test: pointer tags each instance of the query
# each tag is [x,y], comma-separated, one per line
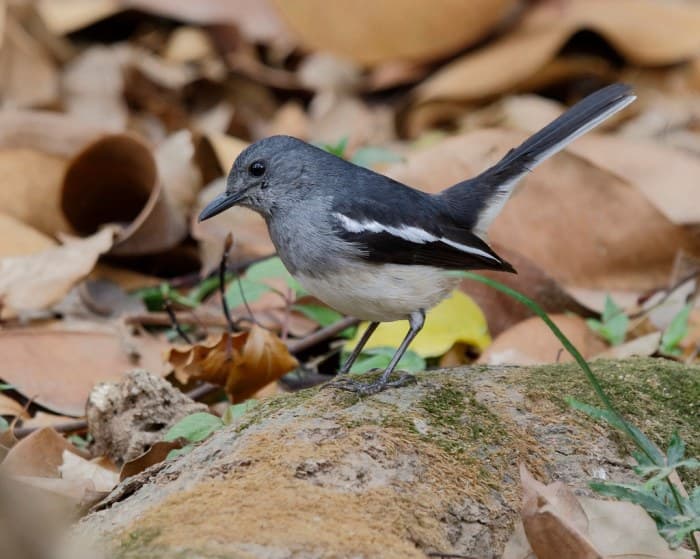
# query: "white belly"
[382,294]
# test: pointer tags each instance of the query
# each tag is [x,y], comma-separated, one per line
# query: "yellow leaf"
[457,319]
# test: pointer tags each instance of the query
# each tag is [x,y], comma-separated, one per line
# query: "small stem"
[222,282]
[173,318]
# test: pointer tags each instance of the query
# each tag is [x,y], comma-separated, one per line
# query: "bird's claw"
[369,388]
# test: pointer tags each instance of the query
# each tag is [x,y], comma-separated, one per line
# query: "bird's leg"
[358,348]
[416,321]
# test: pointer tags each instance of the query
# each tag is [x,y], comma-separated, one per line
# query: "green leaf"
[194,428]
[694,500]
[325,317]
[272,268]
[4,425]
[619,422]
[5,386]
[676,449]
[251,289]
[338,148]
[676,531]
[370,156]
[676,331]
[379,358]
[236,411]
[613,324]
[205,288]
[179,451]
[636,494]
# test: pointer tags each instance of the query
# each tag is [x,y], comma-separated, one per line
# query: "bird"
[374,248]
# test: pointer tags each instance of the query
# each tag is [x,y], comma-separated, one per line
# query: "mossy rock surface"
[432,467]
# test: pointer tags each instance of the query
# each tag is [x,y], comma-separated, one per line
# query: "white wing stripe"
[408,233]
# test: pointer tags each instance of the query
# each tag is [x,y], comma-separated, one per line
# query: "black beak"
[222,202]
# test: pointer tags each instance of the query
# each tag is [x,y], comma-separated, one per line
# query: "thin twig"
[173,318]
[222,282]
[183,317]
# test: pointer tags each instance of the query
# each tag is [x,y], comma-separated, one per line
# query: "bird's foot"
[368,388]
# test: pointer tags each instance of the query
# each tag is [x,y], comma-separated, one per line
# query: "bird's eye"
[257,168]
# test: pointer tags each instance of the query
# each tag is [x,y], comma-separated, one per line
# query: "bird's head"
[266,175]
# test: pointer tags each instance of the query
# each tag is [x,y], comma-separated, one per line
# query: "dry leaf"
[93,86]
[531,342]
[421,33]
[57,368]
[181,179]
[11,407]
[567,195]
[18,239]
[115,180]
[39,280]
[38,455]
[188,44]
[243,363]
[643,346]
[668,29]
[77,468]
[154,455]
[31,189]
[29,76]
[556,524]
[499,308]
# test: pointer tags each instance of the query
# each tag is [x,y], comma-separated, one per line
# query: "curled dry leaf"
[37,281]
[565,194]
[57,368]
[243,363]
[669,30]
[115,180]
[11,407]
[531,342]
[421,33]
[154,455]
[38,455]
[555,523]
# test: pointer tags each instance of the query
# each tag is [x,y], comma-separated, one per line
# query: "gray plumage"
[372,247]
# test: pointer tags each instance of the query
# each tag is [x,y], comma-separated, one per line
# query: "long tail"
[476,202]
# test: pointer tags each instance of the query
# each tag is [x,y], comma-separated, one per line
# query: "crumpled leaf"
[556,524]
[154,455]
[456,319]
[39,280]
[242,363]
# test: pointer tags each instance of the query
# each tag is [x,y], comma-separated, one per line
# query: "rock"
[429,468]
[126,418]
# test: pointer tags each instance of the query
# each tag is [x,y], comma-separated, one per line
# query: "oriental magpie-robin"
[374,248]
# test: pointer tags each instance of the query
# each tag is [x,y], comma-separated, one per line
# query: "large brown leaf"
[372,32]
[57,368]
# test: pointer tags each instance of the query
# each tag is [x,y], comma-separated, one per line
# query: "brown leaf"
[531,342]
[556,523]
[18,239]
[643,346]
[421,33]
[611,251]
[38,455]
[242,363]
[31,189]
[500,310]
[39,280]
[154,455]
[11,407]
[58,368]
[669,29]
[115,180]
[30,78]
